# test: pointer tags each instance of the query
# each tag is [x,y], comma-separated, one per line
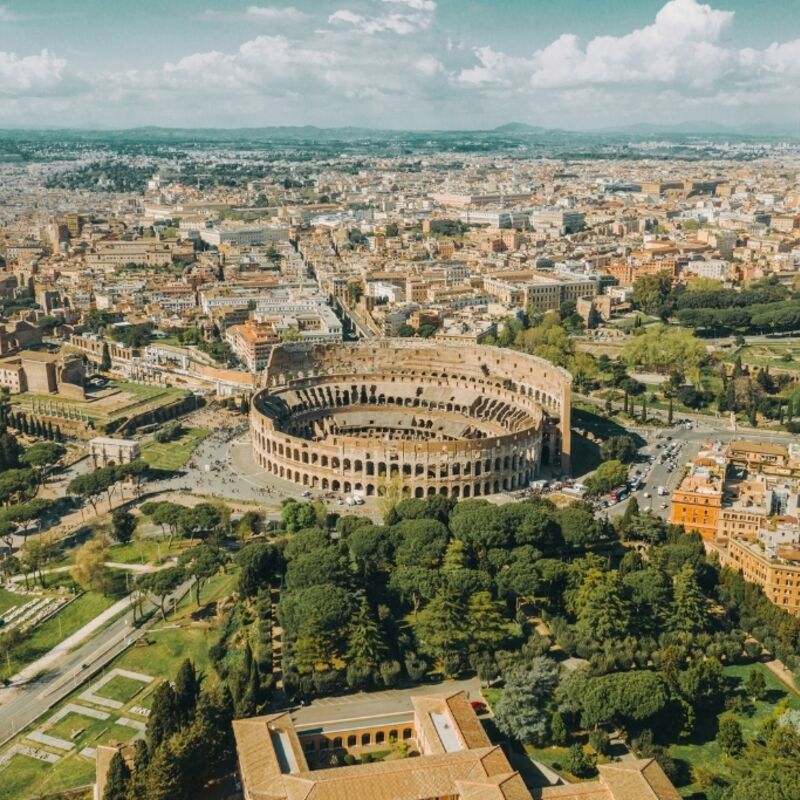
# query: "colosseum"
[450,419]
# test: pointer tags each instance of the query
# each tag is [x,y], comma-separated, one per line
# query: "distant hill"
[312,133]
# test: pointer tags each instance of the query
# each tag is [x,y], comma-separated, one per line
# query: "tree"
[42,455]
[91,485]
[523,710]
[17,485]
[600,607]
[90,570]
[629,516]
[487,621]
[258,564]
[651,292]
[296,516]
[160,584]
[755,687]
[690,609]
[365,645]
[702,684]
[608,475]
[729,736]
[164,718]
[105,358]
[10,450]
[619,448]
[579,763]
[165,514]
[578,525]
[118,779]
[201,562]
[123,524]
[200,520]
[440,629]
[186,691]
[619,697]
[662,348]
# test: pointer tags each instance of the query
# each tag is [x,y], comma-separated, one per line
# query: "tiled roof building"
[455,761]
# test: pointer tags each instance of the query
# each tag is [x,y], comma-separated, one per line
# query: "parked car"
[478,706]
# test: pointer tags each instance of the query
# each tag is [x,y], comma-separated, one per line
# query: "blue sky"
[398,63]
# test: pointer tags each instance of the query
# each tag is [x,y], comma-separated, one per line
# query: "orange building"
[697,502]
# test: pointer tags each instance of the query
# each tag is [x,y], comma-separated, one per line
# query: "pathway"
[779,670]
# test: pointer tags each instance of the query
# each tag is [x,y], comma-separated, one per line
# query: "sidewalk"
[779,670]
[61,649]
[137,568]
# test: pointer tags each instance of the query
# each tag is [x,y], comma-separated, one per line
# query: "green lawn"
[122,689]
[149,550]
[75,727]
[25,778]
[47,635]
[10,599]
[703,750]
[167,649]
[21,775]
[173,455]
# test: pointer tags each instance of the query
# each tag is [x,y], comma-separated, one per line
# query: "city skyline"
[398,64]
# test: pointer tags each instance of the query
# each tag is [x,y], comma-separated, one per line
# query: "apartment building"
[252,343]
[697,501]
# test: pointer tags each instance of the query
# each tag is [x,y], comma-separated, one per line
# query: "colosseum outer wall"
[516,407]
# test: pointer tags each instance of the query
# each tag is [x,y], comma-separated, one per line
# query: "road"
[22,705]
[658,474]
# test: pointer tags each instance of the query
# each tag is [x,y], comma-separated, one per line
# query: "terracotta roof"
[419,778]
[638,780]
[259,762]
[754,446]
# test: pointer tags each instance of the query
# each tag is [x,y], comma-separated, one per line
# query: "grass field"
[703,750]
[10,599]
[122,689]
[47,635]
[149,550]
[784,355]
[173,455]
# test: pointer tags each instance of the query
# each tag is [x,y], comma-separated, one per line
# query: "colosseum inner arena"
[451,419]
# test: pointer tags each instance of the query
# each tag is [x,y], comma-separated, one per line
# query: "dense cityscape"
[338,462]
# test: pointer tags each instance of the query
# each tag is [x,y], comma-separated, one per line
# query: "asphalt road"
[691,441]
[20,706]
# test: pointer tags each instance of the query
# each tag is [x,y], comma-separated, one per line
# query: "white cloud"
[416,16]
[679,45]
[33,76]
[265,64]
[428,66]
[276,14]
[417,5]
[6,15]
[680,50]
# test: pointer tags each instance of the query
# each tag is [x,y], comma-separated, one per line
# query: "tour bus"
[618,493]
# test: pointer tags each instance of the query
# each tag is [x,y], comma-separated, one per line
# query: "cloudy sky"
[398,63]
